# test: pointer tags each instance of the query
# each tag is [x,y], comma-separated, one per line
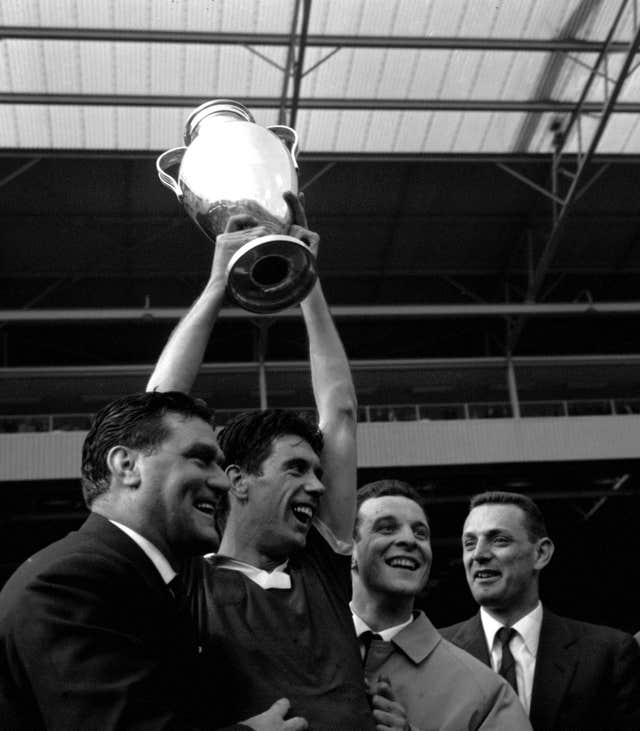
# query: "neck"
[130,519]
[508,616]
[381,611]
[241,547]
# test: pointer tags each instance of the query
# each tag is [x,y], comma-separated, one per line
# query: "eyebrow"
[302,465]
[206,452]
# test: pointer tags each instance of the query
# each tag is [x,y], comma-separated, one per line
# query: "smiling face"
[393,547]
[501,560]
[281,500]
[179,483]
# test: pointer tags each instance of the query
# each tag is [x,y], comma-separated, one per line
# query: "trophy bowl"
[230,165]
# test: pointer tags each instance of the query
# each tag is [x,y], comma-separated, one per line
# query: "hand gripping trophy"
[231,165]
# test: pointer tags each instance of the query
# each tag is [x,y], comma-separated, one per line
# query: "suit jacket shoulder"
[90,637]
[587,676]
[469,636]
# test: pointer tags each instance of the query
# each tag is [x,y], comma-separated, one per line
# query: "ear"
[123,465]
[238,483]
[544,552]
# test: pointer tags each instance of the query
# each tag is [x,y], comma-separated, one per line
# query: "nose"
[313,486]
[218,479]
[406,536]
[480,551]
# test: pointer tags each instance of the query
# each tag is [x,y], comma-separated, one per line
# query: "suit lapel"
[117,540]
[470,637]
[555,665]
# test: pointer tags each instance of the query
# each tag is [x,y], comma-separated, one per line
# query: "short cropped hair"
[387,488]
[248,438]
[135,421]
[533,518]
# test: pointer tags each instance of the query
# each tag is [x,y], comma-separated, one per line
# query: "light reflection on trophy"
[231,165]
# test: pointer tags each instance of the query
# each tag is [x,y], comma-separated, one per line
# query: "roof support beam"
[561,212]
[346,311]
[123,35]
[399,104]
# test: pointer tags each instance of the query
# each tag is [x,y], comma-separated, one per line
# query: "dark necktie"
[366,638]
[508,664]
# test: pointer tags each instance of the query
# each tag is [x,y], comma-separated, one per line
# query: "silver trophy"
[231,165]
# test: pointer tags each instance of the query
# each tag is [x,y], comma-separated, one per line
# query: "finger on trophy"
[239,222]
[296,206]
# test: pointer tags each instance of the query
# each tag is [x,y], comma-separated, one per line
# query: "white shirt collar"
[387,634]
[528,628]
[278,578]
[154,554]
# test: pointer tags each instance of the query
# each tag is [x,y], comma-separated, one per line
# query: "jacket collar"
[418,639]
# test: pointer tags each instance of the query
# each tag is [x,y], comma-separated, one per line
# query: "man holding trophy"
[271,608]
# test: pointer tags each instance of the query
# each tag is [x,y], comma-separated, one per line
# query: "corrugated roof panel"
[267,79]
[515,19]
[67,127]
[548,17]
[93,14]
[632,142]
[602,21]
[523,74]
[202,69]
[26,70]
[132,68]
[136,14]
[254,15]
[500,132]
[472,130]
[9,136]
[620,128]
[411,130]
[34,128]
[100,129]
[61,64]
[379,131]
[17,12]
[430,70]
[447,17]
[166,128]
[442,130]
[97,67]
[338,17]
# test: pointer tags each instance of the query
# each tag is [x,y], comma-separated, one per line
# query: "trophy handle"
[167,160]
[289,137]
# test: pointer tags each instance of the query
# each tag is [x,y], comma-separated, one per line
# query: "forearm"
[333,387]
[337,408]
[181,358]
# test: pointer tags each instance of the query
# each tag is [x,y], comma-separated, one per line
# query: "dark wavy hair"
[387,488]
[135,421]
[533,518]
[247,439]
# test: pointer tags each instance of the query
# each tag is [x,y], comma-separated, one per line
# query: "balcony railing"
[25,423]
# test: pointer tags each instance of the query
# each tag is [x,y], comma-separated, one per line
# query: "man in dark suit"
[568,674]
[92,631]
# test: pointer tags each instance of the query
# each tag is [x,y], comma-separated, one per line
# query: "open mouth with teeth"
[303,513]
[486,575]
[403,562]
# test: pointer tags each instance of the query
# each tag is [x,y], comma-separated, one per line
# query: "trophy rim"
[205,109]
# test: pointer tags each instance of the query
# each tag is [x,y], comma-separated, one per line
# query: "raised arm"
[181,358]
[335,400]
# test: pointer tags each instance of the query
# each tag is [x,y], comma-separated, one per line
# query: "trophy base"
[271,273]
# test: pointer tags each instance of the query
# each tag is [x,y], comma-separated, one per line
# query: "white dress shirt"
[524,648]
[154,554]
